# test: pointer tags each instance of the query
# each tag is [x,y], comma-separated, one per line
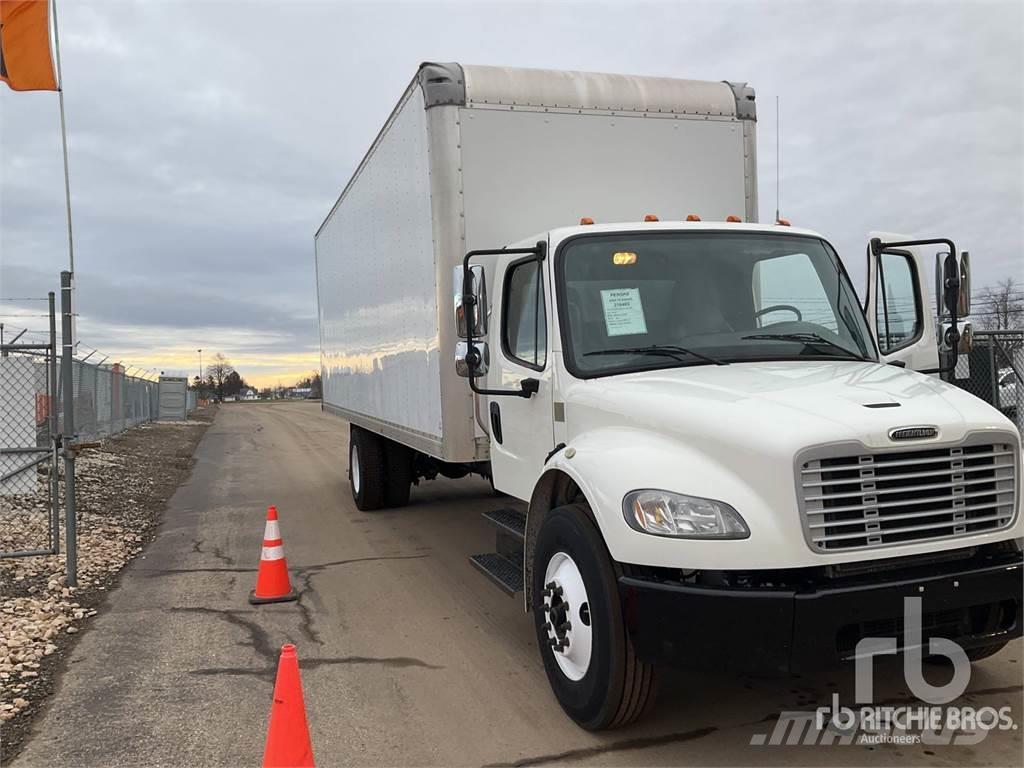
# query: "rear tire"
[366,469]
[398,465]
[599,681]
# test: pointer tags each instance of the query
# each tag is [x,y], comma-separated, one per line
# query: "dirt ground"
[122,489]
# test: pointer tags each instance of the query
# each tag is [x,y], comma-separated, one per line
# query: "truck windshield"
[657,300]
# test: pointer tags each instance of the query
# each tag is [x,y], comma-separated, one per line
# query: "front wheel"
[587,654]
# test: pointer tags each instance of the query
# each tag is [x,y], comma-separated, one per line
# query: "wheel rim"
[567,617]
[354,460]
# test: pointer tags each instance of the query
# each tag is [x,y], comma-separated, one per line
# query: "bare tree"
[1001,307]
[218,371]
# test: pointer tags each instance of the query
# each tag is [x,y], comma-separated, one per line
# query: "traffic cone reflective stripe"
[288,744]
[272,582]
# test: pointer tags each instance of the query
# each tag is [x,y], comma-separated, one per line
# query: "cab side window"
[897,316]
[524,327]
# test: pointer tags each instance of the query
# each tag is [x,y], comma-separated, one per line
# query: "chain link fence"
[994,370]
[29,495]
[107,401]
[104,400]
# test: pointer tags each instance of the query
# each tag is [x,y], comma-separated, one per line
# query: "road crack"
[259,639]
[394,662]
[316,568]
[625,745]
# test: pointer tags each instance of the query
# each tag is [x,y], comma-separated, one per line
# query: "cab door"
[900,306]
[521,428]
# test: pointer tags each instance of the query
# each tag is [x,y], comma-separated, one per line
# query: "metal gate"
[29,442]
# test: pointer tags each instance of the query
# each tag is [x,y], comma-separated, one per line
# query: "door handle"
[496,421]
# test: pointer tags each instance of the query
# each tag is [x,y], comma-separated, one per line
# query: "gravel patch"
[122,489]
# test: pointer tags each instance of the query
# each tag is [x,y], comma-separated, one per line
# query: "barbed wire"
[39,336]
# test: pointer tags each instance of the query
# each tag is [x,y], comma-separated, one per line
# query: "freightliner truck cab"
[728,462]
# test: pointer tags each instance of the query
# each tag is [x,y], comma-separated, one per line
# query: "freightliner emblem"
[912,433]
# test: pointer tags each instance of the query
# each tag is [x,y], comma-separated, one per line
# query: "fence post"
[51,380]
[67,374]
[993,370]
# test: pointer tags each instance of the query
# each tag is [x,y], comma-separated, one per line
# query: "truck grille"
[852,501]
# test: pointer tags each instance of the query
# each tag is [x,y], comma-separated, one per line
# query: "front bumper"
[796,621]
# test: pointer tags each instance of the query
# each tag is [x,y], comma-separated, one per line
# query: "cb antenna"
[778,158]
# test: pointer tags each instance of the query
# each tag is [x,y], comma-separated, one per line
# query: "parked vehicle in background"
[1009,392]
[557,280]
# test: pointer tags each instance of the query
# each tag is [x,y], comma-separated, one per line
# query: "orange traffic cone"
[272,583]
[288,744]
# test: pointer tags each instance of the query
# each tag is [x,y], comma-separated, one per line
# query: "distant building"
[250,394]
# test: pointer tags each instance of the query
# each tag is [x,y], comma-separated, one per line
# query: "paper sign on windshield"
[623,312]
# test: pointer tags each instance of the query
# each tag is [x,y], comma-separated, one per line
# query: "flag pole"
[64,139]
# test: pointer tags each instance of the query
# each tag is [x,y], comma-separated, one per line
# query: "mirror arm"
[528,386]
[878,247]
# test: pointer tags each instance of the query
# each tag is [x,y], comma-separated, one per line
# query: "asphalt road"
[408,655]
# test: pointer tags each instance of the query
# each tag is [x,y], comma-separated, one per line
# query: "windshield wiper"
[668,350]
[808,339]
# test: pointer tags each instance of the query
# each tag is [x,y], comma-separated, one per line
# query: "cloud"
[208,140]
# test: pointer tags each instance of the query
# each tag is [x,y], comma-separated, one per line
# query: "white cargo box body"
[481,157]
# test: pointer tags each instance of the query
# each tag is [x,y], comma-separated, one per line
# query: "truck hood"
[781,406]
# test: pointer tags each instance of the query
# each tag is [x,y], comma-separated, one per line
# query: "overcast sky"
[209,139]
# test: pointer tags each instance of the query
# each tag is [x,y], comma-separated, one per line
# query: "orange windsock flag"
[25,60]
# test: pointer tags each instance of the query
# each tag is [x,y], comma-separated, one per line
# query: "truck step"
[510,521]
[508,576]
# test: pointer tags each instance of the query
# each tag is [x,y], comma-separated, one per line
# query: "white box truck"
[726,458]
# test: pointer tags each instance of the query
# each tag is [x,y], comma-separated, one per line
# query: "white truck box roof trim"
[595,91]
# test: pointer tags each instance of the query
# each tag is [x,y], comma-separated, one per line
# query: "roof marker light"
[693,217]
[783,222]
[650,217]
[734,219]
[586,220]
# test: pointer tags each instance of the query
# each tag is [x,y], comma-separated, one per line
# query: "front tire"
[587,654]
[366,469]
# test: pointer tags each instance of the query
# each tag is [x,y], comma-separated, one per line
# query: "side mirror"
[951,300]
[951,285]
[474,313]
[965,285]
[481,358]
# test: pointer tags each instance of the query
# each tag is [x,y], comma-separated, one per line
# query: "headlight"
[688,517]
